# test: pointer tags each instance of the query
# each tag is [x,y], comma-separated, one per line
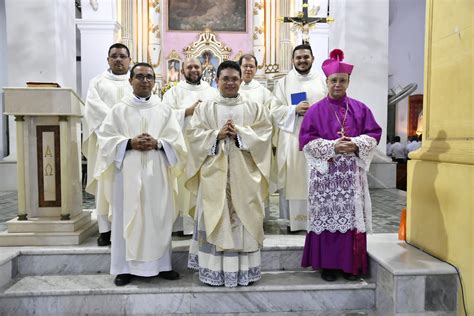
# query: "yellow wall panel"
[440,195]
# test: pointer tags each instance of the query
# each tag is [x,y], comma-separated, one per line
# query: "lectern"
[48,133]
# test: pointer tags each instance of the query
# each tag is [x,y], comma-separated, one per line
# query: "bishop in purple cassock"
[338,137]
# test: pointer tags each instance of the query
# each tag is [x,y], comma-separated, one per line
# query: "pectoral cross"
[342,132]
[303,22]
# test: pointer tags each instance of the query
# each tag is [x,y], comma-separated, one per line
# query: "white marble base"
[409,281]
[403,281]
[382,175]
[8,174]
[49,224]
[54,238]
[276,292]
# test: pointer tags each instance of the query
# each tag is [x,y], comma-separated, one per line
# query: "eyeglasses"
[118,56]
[141,77]
[228,80]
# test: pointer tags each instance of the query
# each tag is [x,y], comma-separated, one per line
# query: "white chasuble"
[178,98]
[254,91]
[232,182]
[183,95]
[148,205]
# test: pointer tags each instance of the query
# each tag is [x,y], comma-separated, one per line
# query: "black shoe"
[350,276]
[104,239]
[328,275]
[169,275]
[123,279]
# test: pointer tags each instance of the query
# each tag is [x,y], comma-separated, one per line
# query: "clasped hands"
[228,130]
[344,145]
[302,107]
[144,142]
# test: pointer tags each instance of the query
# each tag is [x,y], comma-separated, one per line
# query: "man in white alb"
[140,141]
[296,92]
[183,99]
[254,91]
[105,90]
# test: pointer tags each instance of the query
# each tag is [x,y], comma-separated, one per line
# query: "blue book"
[298,97]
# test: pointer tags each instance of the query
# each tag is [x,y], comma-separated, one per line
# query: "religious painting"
[174,68]
[218,15]
[209,63]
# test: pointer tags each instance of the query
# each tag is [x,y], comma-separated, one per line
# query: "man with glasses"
[105,90]
[229,139]
[183,99]
[296,92]
[140,141]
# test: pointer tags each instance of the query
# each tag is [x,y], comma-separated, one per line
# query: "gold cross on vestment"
[342,132]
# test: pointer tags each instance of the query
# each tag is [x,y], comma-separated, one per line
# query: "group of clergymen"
[201,161]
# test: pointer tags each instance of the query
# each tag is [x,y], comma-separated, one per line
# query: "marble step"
[279,253]
[277,291]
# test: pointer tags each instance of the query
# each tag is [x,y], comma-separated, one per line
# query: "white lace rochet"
[338,197]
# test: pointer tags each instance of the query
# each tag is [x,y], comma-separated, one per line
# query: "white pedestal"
[48,172]
[382,173]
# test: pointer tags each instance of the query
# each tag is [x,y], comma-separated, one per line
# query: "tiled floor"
[386,207]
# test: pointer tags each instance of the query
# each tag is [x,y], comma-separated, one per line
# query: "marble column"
[360,29]
[20,128]
[154,40]
[126,22]
[99,29]
[64,162]
[440,203]
[285,46]
[259,36]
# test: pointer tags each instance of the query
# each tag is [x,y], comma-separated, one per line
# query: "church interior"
[413,67]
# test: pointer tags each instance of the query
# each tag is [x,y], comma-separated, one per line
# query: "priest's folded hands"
[228,130]
[144,142]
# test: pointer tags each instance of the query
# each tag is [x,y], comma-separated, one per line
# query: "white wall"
[3,78]
[406,53]
[41,46]
[41,42]
[361,31]
[98,30]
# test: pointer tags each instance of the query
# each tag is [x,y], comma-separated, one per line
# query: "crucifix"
[303,22]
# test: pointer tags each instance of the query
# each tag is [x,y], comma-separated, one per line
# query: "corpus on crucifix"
[303,22]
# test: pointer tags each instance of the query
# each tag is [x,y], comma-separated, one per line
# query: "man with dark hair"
[105,90]
[118,46]
[183,99]
[140,140]
[398,151]
[413,144]
[295,92]
[229,138]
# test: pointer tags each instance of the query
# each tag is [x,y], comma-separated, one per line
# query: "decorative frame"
[218,15]
[173,67]
[210,52]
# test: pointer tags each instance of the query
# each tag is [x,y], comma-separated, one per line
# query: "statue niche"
[210,52]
